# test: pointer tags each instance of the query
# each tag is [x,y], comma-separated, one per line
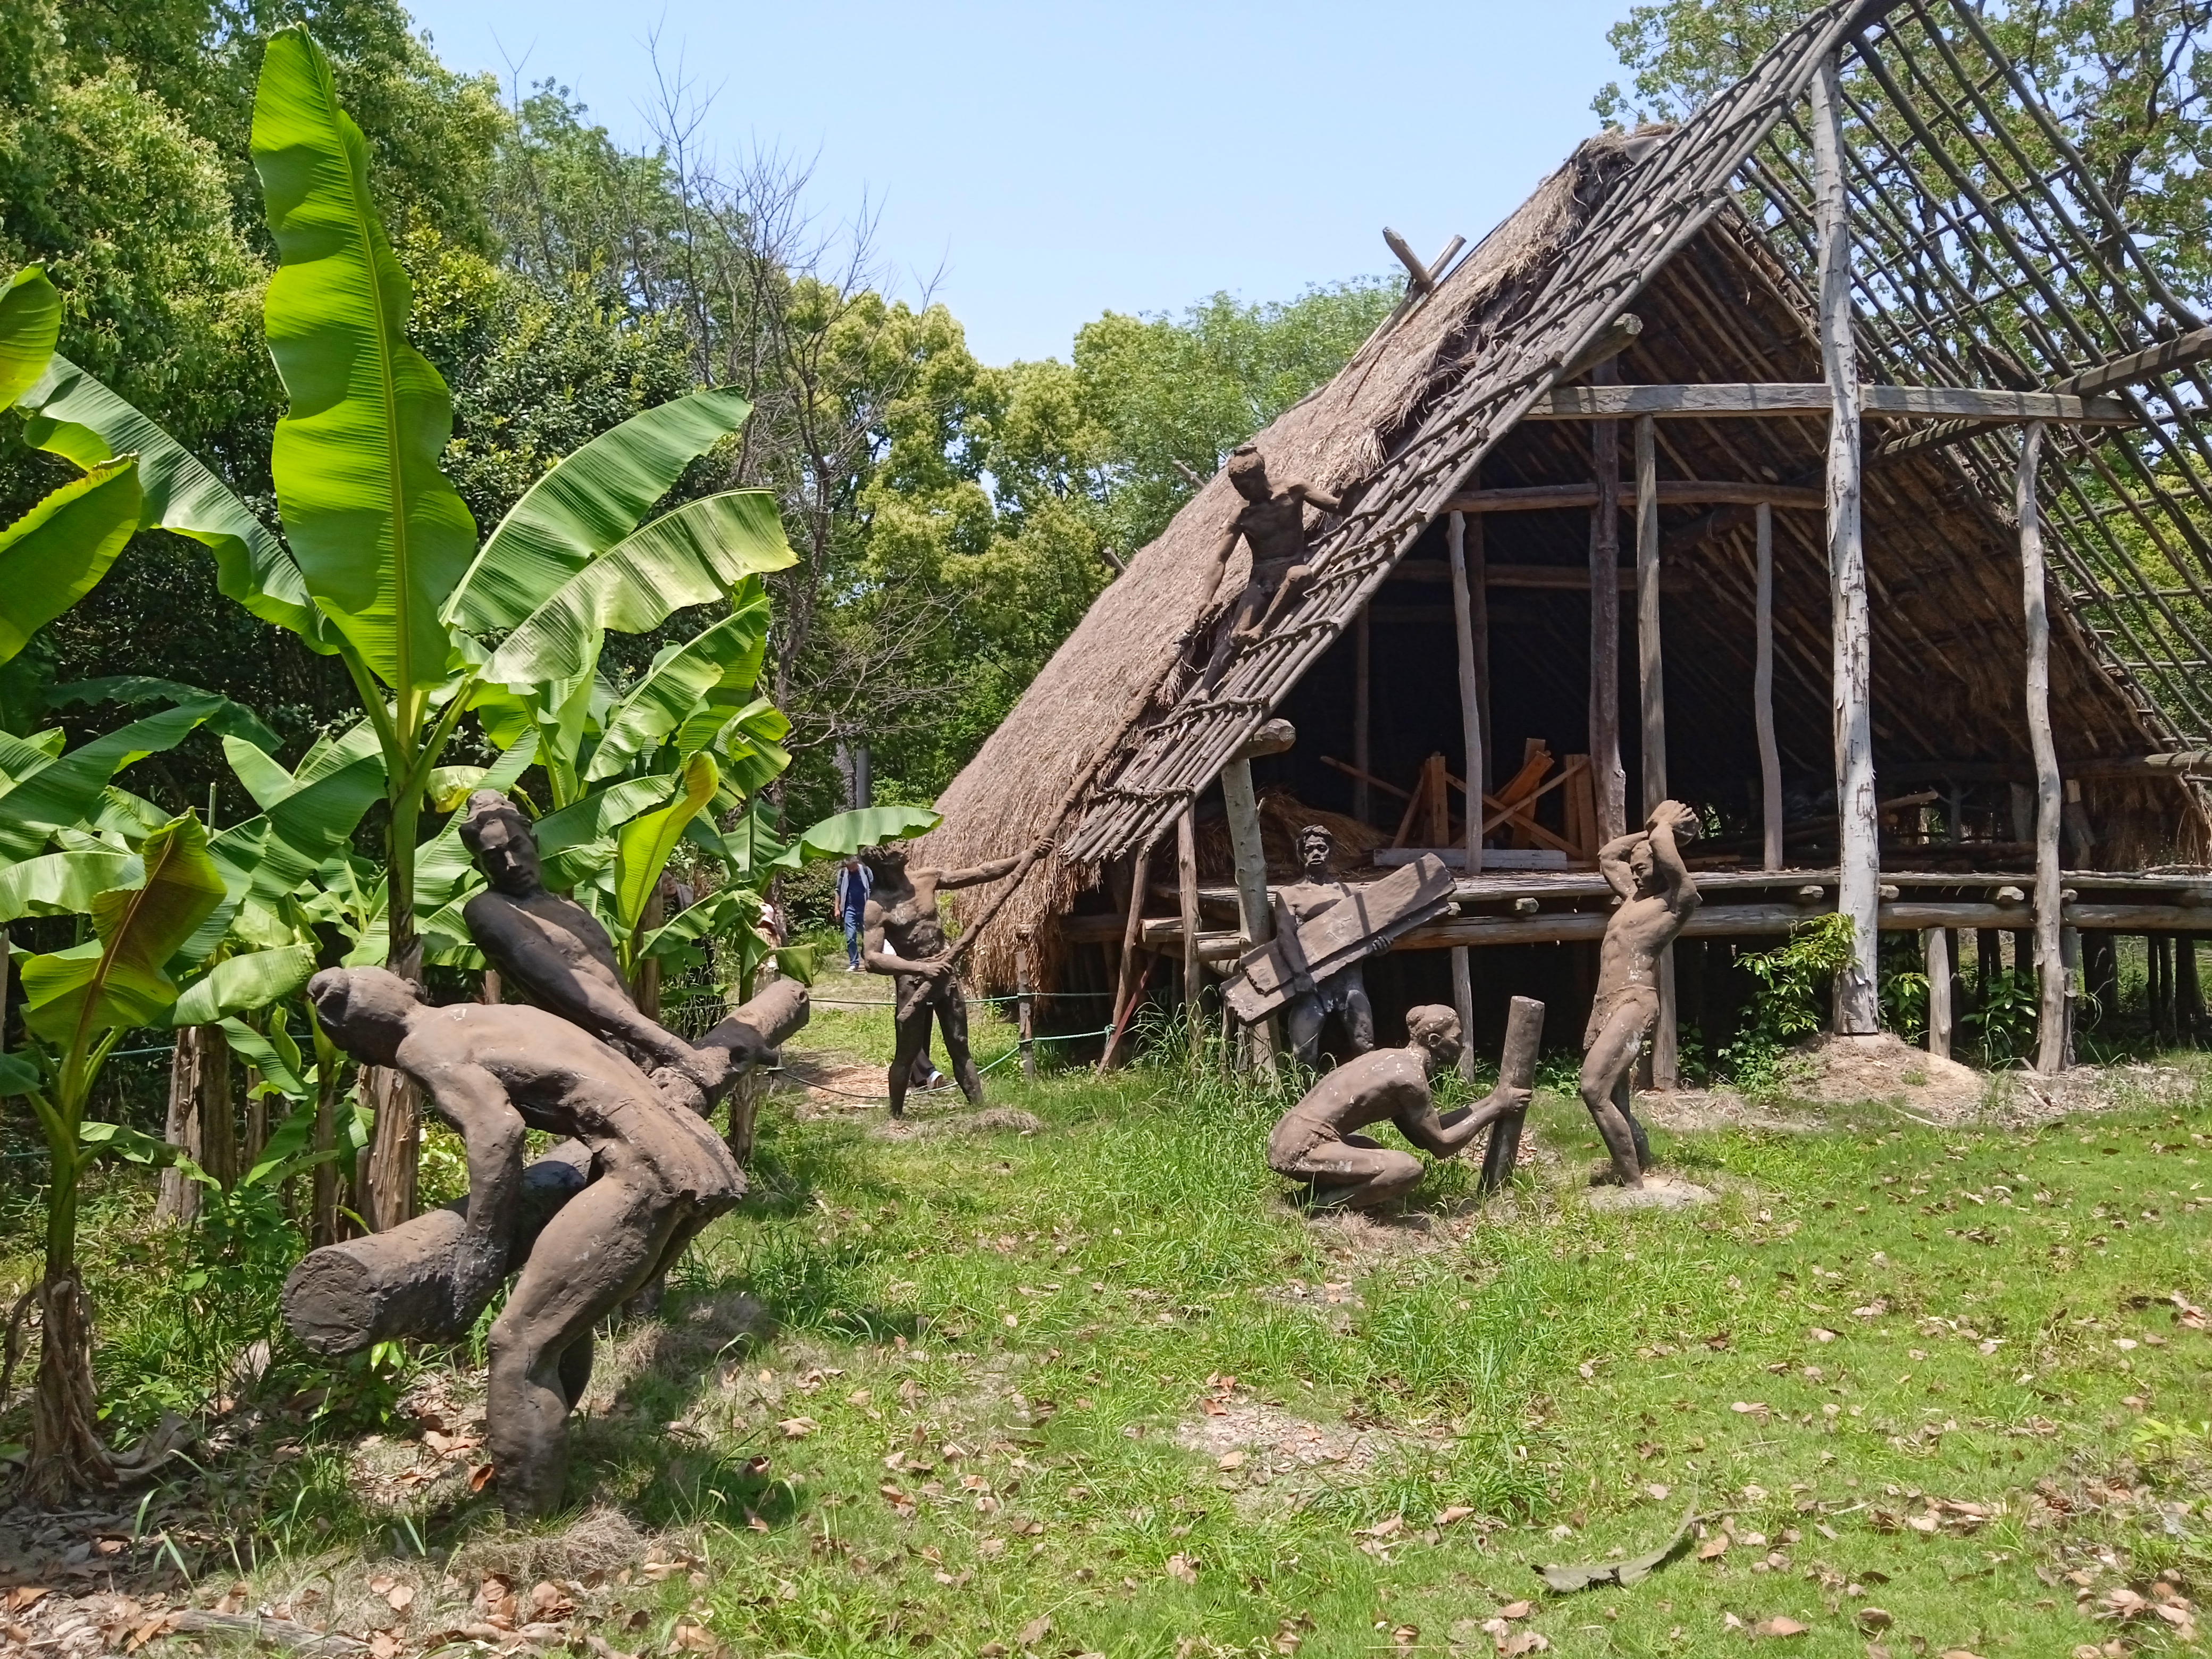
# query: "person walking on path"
[854,881]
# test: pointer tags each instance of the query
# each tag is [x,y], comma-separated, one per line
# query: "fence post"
[1024,1005]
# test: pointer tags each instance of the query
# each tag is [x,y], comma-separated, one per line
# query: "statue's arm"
[1682,891]
[1612,863]
[472,1100]
[1314,495]
[581,998]
[1440,1137]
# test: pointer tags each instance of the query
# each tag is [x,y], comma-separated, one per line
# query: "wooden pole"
[1362,794]
[1937,943]
[1762,694]
[1478,604]
[1470,724]
[2049,791]
[1606,776]
[1242,809]
[1651,697]
[2070,958]
[1133,929]
[2189,990]
[1857,1007]
[1025,1003]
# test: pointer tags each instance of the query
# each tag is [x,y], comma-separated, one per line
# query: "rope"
[1054,1036]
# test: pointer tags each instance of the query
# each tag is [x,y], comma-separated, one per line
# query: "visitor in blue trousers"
[855,878]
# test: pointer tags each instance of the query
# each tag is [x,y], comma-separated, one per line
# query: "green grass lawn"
[1099,1389]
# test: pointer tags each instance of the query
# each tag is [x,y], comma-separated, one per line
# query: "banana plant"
[146,906]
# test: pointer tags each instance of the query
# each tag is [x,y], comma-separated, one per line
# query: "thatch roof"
[1941,271]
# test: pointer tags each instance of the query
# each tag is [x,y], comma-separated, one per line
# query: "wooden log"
[1762,698]
[1858,1006]
[2069,957]
[1673,492]
[2188,990]
[2139,368]
[398,1282]
[1803,398]
[1193,974]
[1242,810]
[1470,703]
[1478,602]
[1536,578]
[1651,694]
[1362,797]
[1937,943]
[1607,778]
[1517,1066]
[2052,976]
[1025,1001]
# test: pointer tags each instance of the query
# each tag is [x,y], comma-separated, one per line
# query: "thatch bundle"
[1103,679]
[1283,816]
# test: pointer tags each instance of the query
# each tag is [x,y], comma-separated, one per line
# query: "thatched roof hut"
[1965,278]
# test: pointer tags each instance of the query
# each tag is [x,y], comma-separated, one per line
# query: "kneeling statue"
[587,1224]
[1316,1143]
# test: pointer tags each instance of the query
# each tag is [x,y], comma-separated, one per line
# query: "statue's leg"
[1355,1174]
[913,1040]
[1359,1015]
[1302,1020]
[1235,630]
[1605,1063]
[576,1370]
[603,1245]
[952,1019]
[1624,1102]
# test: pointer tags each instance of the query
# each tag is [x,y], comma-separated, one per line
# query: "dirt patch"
[1847,1069]
[1681,1110]
[2024,1098]
[1660,1191]
[1272,1460]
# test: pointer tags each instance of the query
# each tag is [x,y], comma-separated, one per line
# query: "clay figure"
[1343,993]
[557,954]
[658,1175]
[1657,896]
[1274,522]
[904,939]
[1316,1141]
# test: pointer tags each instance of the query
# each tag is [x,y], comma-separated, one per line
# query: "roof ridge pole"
[1858,1012]
[1610,780]
[2049,969]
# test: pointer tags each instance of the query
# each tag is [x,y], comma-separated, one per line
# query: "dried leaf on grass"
[1780,1625]
[1585,1574]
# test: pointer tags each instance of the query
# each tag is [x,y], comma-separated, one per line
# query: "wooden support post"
[1133,929]
[1478,604]
[1762,694]
[1858,1010]
[1470,724]
[1025,1003]
[1606,776]
[2050,792]
[1242,809]
[2189,989]
[1362,794]
[2070,960]
[1937,943]
[1193,972]
[1651,697]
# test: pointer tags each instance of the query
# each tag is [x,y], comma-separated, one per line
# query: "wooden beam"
[2139,367]
[1619,335]
[2050,793]
[1470,719]
[1478,606]
[1125,986]
[1857,1007]
[1699,400]
[1363,798]
[1194,977]
[1762,698]
[1552,577]
[1673,492]
[1651,695]
[1607,777]
[1242,809]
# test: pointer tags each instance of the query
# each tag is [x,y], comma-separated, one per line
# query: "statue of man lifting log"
[1657,896]
[656,1174]
[1317,1144]
[1274,521]
[905,940]
[1344,993]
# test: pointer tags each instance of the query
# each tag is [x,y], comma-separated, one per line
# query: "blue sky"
[1044,163]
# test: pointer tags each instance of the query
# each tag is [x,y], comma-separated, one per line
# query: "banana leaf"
[239,983]
[753,755]
[230,719]
[592,499]
[120,977]
[19,1076]
[696,688]
[20,756]
[263,777]
[68,790]
[30,324]
[381,536]
[869,826]
[643,847]
[56,553]
[257,1050]
[695,554]
[72,414]
[64,883]
[727,907]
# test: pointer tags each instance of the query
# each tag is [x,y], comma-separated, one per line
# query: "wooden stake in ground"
[1193,970]
[1857,1007]
[1470,719]
[1607,778]
[1024,1004]
[1762,695]
[2050,791]
[1937,944]
[1242,809]
[1133,930]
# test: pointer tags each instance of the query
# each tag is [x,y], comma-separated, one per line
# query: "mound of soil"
[1845,1069]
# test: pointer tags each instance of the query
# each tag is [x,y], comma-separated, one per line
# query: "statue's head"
[494,831]
[1316,847]
[1434,1030]
[1248,472]
[1644,868]
[886,862]
[363,1010]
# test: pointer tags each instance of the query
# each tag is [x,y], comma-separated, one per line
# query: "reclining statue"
[1316,1143]
[641,1175]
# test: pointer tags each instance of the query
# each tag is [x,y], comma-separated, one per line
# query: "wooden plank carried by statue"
[1366,920]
